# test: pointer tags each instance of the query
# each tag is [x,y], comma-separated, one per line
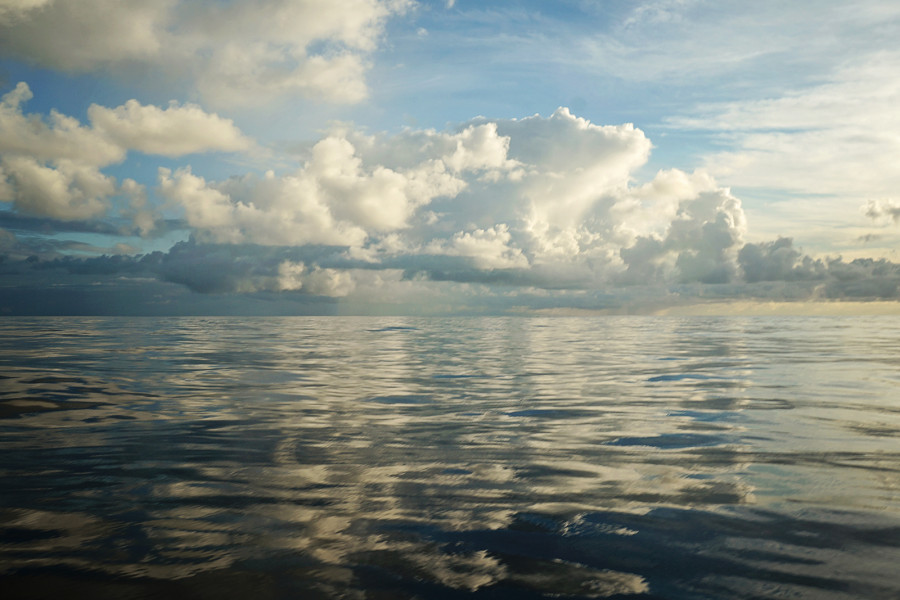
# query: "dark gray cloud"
[778,261]
[21,223]
[833,279]
[45,225]
[187,280]
[228,268]
[197,278]
[863,278]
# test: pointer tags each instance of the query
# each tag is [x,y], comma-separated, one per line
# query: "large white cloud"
[68,190]
[693,233]
[233,52]
[173,131]
[539,201]
[804,126]
[294,276]
[53,167]
[58,138]
[548,200]
[487,248]
[339,197]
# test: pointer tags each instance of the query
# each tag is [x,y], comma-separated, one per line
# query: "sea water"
[644,457]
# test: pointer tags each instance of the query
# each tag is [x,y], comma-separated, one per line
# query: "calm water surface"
[450,458]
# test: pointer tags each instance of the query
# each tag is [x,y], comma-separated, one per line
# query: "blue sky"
[357,156]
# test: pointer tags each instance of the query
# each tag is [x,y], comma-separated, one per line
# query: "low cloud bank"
[240,275]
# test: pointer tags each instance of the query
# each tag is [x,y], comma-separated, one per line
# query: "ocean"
[607,457]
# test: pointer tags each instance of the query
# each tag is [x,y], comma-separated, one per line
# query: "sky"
[280,157]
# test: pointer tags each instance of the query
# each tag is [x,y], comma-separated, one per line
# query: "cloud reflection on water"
[462,453]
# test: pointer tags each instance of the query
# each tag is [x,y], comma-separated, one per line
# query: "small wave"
[681,377]
[672,441]
[549,413]
[410,399]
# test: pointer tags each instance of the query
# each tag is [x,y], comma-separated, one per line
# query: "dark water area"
[495,458]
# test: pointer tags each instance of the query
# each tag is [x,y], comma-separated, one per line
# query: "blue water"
[631,457]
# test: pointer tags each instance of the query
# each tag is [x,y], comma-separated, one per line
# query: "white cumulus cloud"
[547,201]
[66,191]
[293,276]
[487,248]
[173,131]
[60,137]
[53,167]
[234,53]
[343,195]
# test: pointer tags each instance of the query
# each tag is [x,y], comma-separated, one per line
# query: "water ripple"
[470,457]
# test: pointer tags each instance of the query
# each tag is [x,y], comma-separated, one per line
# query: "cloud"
[66,191]
[13,9]
[333,283]
[543,178]
[53,167]
[173,131]
[477,147]
[245,269]
[235,53]
[7,241]
[250,279]
[487,215]
[573,164]
[143,217]
[60,137]
[828,146]
[79,36]
[809,278]
[487,248]
[881,209]
[540,201]
[700,243]
[340,196]
[778,261]
[698,40]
